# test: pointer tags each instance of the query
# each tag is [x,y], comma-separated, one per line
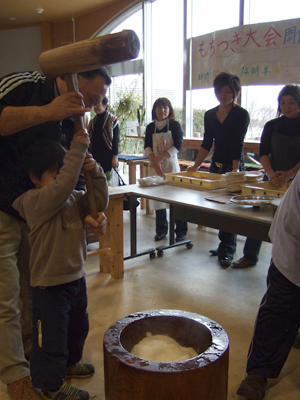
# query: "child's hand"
[98,226]
[82,137]
[89,162]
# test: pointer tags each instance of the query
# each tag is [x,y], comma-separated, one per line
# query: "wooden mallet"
[84,56]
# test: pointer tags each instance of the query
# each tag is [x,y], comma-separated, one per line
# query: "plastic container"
[200,180]
[265,188]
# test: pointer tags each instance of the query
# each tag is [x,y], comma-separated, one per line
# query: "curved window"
[163,67]
[261,100]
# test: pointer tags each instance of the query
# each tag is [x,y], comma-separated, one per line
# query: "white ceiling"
[54,10]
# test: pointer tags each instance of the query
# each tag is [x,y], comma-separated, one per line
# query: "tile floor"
[189,280]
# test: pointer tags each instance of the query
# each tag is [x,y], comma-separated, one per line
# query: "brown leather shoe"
[22,390]
[242,263]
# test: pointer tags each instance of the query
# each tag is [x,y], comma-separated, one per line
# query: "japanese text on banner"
[267,53]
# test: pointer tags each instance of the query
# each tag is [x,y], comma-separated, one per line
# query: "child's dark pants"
[60,327]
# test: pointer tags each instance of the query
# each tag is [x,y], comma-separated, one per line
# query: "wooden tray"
[200,180]
[265,188]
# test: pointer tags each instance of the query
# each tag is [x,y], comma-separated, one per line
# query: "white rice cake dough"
[162,348]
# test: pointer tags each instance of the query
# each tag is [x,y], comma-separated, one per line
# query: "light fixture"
[39,10]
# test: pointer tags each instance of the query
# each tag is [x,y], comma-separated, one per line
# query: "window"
[162,67]
[219,15]
[134,22]
[261,101]
[257,11]
[214,16]
[167,51]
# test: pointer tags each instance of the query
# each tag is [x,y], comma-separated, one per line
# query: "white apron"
[160,142]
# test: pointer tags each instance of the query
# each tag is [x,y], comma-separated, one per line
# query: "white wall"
[20,50]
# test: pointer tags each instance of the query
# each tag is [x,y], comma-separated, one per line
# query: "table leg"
[148,209]
[132,174]
[113,238]
[143,174]
[145,202]
[171,226]
[133,234]
[105,259]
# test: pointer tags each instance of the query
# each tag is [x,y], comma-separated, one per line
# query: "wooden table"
[185,204]
[132,161]
[250,146]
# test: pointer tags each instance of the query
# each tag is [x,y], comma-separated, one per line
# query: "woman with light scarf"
[163,140]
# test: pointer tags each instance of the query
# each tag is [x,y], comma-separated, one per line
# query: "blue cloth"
[128,157]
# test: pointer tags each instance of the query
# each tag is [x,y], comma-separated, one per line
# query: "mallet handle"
[72,84]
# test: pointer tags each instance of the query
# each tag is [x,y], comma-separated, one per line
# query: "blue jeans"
[252,249]
[61,325]
[227,244]
[162,224]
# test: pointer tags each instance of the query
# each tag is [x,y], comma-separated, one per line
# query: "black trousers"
[60,327]
[227,245]
[276,326]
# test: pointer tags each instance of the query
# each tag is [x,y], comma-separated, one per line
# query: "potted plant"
[125,109]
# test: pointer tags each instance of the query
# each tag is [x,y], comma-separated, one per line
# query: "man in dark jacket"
[32,107]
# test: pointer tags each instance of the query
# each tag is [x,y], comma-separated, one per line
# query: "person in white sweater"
[278,318]
[55,212]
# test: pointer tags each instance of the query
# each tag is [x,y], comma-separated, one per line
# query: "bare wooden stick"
[72,84]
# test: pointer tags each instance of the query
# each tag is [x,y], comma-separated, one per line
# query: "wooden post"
[132,172]
[113,238]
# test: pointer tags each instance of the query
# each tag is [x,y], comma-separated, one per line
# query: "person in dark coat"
[104,135]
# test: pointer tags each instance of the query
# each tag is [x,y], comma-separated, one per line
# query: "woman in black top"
[279,149]
[163,141]
[279,153]
[225,127]
[104,135]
